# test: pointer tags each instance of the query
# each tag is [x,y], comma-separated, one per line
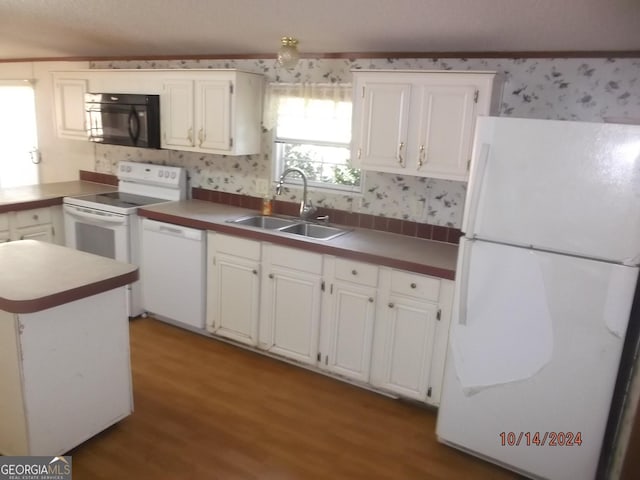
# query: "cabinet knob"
[271,275]
[413,285]
[354,272]
[370,299]
[35,217]
[255,272]
[391,305]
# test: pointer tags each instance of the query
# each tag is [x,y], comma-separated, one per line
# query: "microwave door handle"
[134,126]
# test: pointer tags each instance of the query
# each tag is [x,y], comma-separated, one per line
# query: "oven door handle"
[106,218]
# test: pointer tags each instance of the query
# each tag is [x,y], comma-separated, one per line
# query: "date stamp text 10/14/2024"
[540,439]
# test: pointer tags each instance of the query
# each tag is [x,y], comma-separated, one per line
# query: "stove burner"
[123,200]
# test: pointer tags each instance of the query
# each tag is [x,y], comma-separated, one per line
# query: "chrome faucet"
[306,207]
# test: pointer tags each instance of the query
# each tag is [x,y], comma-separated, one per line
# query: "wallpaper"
[589,90]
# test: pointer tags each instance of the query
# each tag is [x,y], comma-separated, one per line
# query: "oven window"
[97,240]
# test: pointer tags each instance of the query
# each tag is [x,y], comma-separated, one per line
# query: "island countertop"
[39,275]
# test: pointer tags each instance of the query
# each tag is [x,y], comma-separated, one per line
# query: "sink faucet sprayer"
[306,207]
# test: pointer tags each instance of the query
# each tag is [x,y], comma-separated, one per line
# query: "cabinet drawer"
[4,222]
[237,246]
[356,272]
[414,285]
[37,216]
[295,258]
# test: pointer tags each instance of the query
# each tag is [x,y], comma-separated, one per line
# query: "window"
[18,135]
[313,132]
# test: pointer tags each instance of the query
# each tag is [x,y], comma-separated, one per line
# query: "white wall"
[61,159]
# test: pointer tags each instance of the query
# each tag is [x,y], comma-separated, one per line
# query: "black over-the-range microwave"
[123,119]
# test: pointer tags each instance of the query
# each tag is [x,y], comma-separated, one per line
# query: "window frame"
[278,160]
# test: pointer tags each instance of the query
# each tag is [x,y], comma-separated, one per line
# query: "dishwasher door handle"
[173,230]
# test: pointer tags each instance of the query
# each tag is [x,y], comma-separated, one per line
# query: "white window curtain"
[337,93]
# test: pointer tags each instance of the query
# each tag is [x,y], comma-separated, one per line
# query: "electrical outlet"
[262,186]
[417,210]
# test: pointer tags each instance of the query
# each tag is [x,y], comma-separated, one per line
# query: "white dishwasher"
[173,273]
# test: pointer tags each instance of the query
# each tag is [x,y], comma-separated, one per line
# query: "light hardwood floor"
[208,410]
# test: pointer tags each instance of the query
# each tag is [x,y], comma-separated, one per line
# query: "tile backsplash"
[597,89]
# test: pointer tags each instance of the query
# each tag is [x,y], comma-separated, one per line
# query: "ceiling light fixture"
[288,54]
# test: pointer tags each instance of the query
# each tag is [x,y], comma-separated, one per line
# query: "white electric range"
[107,224]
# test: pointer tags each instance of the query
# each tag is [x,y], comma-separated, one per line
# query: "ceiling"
[39,29]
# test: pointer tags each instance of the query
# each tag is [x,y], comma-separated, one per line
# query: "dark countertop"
[393,250]
[39,275]
[398,251]
[47,194]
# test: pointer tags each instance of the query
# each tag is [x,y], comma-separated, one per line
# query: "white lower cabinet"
[374,325]
[233,279]
[290,302]
[348,312]
[411,326]
[44,224]
[5,234]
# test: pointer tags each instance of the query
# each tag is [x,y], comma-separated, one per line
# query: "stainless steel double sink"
[294,226]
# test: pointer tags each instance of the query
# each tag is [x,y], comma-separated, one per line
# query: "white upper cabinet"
[69,107]
[177,113]
[212,112]
[207,111]
[418,123]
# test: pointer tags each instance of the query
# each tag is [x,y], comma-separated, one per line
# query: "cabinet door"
[445,129]
[40,232]
[380,125]
[5,233]
[294,301]
[69,107]
[441,341]
[405,331]
[213,115]
[176,112]
[290,302]
[347,316]
[235,295]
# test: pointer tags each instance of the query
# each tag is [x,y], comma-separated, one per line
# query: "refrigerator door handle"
[463,283]
[475,187]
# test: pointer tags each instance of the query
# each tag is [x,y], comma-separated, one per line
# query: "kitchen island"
[65,371]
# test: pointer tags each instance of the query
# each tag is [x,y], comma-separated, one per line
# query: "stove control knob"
[128,168]
[173,174]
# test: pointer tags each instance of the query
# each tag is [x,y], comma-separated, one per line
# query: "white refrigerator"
[546,274]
